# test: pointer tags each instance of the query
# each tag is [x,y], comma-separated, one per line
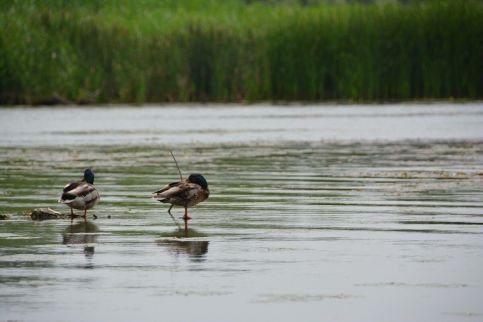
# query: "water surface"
[357,213]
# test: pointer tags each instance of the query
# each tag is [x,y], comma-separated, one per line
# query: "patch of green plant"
[57,51]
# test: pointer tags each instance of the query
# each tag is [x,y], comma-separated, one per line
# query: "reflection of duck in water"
[193,248]
[81,195]
[80,233]
[196,249]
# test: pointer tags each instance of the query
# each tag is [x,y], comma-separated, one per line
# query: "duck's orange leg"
[186,218]
[186,227]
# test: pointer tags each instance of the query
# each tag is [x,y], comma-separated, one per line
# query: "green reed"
[229,51]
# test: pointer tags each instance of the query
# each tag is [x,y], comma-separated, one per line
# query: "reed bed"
[231,51]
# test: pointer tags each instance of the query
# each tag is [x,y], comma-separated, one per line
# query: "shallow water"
[315,213]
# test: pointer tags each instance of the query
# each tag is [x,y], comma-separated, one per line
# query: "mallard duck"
[81,195]
[185,193]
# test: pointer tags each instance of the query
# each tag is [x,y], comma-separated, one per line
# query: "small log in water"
[45,214]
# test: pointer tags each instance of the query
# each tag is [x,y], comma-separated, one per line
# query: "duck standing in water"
[185,193]
[81,195]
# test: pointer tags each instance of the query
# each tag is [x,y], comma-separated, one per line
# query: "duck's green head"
[198,179]
[89,176]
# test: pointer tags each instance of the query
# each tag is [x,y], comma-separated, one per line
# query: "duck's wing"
[177,192]
[71,186]
[83,190]
[168,187]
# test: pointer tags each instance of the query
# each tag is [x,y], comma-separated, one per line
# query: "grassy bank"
[193,50]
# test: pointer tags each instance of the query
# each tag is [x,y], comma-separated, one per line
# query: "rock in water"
[4,217]
[45,213]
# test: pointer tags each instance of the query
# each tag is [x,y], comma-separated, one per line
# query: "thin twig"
[177,166]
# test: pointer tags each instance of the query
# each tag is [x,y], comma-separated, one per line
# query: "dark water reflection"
[196,250]
[185,242]
[82,233]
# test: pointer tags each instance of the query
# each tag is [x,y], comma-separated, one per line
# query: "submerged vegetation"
[180,51]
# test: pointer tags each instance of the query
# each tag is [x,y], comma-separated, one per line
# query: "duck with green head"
[185,193]
[81,195]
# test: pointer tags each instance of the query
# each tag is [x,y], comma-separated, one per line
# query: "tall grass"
[192,50]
